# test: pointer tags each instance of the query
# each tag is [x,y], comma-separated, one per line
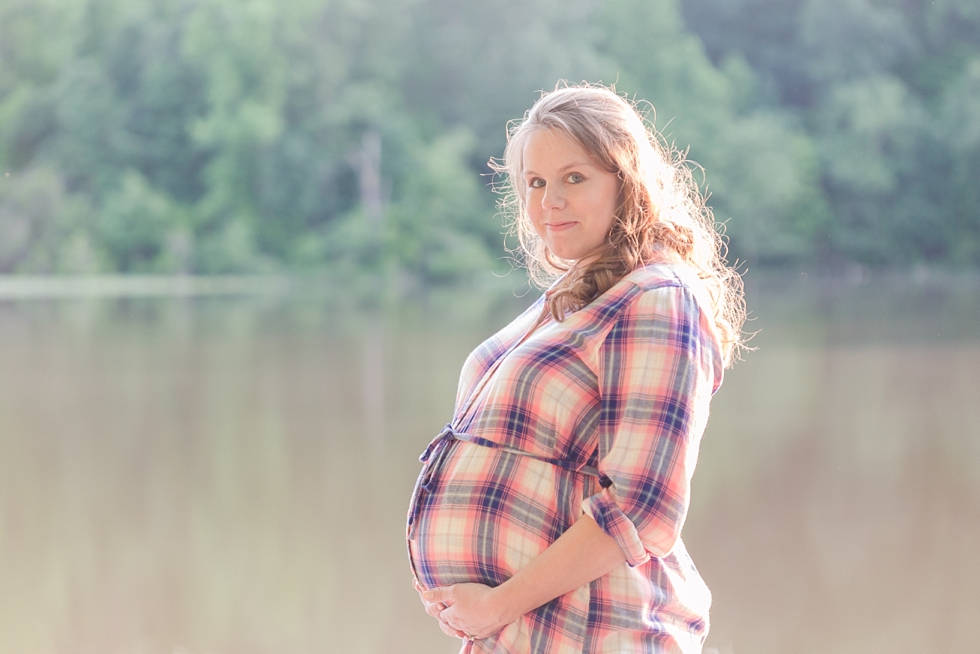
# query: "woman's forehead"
[554,149]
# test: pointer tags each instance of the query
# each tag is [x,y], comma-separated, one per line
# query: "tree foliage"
[887,92]
[213,136]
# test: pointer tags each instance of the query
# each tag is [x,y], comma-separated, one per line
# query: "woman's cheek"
[534,213]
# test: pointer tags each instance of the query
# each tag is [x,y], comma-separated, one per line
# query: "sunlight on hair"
[662,215]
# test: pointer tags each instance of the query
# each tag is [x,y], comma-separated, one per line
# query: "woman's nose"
[553,198]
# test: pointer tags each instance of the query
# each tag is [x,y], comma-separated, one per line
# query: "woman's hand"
[471,610]
[583,553]
[436,608]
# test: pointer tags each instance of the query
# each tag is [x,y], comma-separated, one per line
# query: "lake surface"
[231,475]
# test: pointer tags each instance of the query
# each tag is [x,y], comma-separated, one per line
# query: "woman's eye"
[537,182]
[575,178]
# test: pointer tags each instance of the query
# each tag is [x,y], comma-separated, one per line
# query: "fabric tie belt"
[435,454]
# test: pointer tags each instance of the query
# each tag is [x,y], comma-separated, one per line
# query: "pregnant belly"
[488,513]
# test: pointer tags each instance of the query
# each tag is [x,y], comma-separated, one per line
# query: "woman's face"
[571,200]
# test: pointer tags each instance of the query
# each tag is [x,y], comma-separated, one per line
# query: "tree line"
[344,136]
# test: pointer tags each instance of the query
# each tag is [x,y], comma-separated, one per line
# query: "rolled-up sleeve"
[658,369]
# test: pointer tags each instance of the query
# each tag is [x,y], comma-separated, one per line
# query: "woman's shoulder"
[639,287]
[671,292]
[657,298]
[663,275]
[674,294]
[648,280]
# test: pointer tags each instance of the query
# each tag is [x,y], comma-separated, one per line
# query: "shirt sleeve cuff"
[611,519]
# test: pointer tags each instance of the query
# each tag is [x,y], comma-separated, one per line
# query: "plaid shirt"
[622,385]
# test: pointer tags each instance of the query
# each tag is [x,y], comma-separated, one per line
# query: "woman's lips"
[557,227]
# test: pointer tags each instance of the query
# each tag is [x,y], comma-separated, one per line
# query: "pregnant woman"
[548,513]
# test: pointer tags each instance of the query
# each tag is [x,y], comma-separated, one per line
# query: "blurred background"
[246,245]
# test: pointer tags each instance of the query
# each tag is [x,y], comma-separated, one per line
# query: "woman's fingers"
[449,631]
[446,625]
[431,599]
[443,594]
[449,617]
[436,602]
[434,608]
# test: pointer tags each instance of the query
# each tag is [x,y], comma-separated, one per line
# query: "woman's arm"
[583,553]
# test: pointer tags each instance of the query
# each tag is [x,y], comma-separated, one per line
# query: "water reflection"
[231,475]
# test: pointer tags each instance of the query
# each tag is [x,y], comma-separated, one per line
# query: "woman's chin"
[574,254]
[566,251]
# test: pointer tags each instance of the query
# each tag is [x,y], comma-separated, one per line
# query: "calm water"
[231,476]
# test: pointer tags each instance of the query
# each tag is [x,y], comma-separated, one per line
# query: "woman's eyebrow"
[574,164]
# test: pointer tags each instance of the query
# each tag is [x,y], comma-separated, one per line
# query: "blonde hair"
[662,215]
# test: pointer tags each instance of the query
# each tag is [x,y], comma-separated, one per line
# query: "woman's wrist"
[505,602]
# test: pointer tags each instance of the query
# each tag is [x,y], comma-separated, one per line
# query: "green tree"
[228,135]
[875,82]
[761,168]
[44,229]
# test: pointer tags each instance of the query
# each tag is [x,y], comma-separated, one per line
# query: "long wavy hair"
[661,215]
